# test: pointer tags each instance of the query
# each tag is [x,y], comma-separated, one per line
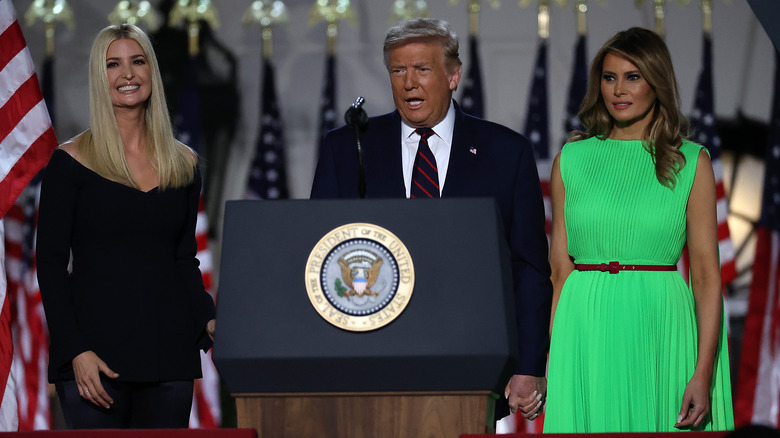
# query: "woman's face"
[129,74]
[628,96]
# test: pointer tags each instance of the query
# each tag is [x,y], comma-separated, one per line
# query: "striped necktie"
[425,175]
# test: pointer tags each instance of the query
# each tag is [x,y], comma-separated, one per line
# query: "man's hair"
[418,29]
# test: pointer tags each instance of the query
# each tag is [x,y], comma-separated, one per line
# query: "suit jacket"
[486,160]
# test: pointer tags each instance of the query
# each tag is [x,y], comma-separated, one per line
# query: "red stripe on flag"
[206,419]
[723,230]
[35,157]
[728,272]
[21,102]
[6,344]
[202,241]
[753,330]
[545,187]
[720,190]
[11,43]
[15,213]
[13,250]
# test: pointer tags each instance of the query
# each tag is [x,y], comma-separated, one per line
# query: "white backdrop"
[743,64]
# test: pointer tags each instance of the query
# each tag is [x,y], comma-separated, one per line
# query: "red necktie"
[425,175]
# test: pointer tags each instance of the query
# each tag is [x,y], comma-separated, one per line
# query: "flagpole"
[474,8]
[193,12]
[267,175]
[266,13]
[136,13]
[706,13]
[50,12]
[582,19]
[407,9]
[659,9]
[332,11]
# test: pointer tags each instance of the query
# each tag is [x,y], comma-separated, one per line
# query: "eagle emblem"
[359,271]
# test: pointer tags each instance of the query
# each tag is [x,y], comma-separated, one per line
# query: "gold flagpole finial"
[659,8]
[50,12]
[525,3]
[266,13]
[193,12]
[582,19]
[332,11]
[543,19]
[659,11]
[474,8]
[408,9]
[706,15]
[135,12]
[495,4]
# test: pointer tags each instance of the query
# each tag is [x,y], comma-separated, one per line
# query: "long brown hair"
[668,127]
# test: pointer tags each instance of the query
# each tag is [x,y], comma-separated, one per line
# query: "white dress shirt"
[440,144]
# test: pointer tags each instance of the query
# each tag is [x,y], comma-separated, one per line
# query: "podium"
[436,370]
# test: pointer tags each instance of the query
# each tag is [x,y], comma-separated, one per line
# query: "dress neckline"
[80,164]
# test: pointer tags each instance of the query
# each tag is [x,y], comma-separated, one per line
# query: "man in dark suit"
[462,157]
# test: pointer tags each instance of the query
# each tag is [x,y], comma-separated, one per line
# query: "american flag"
[28,322]
[537,127]
[472,100]
[703,123]
[205,411]
[758,390]
[268,177]
[328,99]
[31,337]
[577,87]
[26,142]
[26,136]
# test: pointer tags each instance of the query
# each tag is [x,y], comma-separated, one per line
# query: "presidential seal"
[359,277]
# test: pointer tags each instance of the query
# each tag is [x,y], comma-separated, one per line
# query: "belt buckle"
[612,267]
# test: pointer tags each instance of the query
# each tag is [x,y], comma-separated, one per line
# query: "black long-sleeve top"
[134,294]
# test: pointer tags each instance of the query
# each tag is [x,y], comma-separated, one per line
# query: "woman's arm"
[702,234]
[56,218]
[202,304]
[560,263]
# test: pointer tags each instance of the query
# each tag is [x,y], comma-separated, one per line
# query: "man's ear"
[454,78]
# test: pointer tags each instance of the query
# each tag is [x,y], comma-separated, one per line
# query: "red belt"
[615,267]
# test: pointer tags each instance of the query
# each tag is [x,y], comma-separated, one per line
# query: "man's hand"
[210,328]
[87,367]
[527,394]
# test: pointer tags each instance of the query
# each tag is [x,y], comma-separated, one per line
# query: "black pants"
[160,405]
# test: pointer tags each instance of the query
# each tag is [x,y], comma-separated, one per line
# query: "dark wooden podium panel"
[381,415]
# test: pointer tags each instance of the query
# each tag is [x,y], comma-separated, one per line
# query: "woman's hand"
[87,367]
[210,327]
[526,394]
[695,403]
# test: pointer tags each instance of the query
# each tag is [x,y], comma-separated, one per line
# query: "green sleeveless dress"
[624,345]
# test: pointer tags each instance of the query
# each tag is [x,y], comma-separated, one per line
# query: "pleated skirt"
[623,349]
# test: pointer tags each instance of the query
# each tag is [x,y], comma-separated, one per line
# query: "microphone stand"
[357,119]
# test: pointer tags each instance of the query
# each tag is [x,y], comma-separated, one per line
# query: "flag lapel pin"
[473,150]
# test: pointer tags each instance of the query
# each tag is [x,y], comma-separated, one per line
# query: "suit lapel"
[386,165]
[463,160]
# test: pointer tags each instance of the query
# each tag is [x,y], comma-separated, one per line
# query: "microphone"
[357,119]
[356,116]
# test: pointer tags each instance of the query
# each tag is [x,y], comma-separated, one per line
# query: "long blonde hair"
[101,146]
[668,127]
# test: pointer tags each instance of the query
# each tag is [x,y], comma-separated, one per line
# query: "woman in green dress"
[633,348]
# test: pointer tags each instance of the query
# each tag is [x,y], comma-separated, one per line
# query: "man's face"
[422,85]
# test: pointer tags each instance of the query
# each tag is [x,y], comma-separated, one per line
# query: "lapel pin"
[473,150]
